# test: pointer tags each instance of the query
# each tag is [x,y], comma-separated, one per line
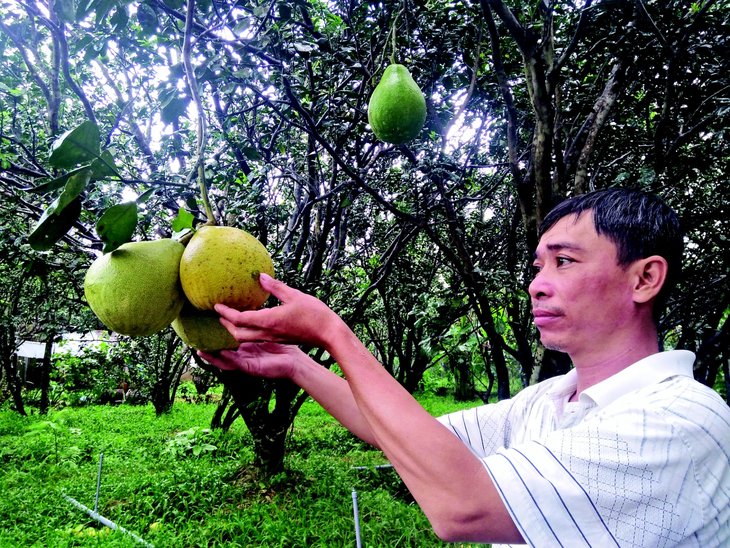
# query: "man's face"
[581,297]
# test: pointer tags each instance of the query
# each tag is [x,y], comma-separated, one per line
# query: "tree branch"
[645,14]
[580,32]
[516,30]
[598,116]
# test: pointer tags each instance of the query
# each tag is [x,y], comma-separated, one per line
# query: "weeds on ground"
[175,483]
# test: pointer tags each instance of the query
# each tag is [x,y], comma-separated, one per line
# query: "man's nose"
[540,286]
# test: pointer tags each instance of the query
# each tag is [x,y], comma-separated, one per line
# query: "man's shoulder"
[691,408]
[679,393]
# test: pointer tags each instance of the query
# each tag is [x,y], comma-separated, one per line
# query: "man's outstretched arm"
[450,484]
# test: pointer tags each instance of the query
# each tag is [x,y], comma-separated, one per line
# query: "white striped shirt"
[641,460]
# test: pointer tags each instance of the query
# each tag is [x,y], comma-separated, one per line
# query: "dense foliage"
[425,249]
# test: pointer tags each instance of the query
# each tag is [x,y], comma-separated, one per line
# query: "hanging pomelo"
[202,330]
[221,264]
[135,290]
[397,108]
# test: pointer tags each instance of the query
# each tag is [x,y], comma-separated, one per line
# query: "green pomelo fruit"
[397,109]
[221,264]
[135,290]
[202,330]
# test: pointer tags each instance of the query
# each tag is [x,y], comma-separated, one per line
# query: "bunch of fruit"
[142,287]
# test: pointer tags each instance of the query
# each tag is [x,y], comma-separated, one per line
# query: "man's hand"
[270,360]
[301,318]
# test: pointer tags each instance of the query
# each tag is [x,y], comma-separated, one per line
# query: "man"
[625,450]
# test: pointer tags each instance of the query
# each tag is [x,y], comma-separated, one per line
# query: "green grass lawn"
[168,496]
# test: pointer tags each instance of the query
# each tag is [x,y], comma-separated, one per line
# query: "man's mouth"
[544,316]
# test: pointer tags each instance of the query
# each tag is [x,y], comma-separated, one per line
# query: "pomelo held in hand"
[135,290]
[221,264]
[397,109]
[202,330]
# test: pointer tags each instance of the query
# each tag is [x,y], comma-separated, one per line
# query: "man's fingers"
[217,361]
[277,288]
[230,314]
[255,319]
[246,334]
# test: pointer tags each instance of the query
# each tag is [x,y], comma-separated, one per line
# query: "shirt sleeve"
[483,429]
[488,428]
[623,478]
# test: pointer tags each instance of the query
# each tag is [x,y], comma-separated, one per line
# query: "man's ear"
[650,275]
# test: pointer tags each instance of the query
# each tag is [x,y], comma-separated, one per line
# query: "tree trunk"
[251,396]
[46,374]
[462,377]
[15,386]
[269,446]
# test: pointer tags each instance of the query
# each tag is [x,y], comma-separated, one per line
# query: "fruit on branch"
[397,109]
[221,264]
[135,290]
[202,330]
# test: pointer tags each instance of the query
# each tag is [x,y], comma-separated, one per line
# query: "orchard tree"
[41,299]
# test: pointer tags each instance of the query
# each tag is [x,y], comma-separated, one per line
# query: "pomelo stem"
[204,191]
[394,50]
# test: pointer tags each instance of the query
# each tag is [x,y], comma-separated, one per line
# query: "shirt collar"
[646,372]
[650,370]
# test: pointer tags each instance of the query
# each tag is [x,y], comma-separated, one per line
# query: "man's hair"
[638,223]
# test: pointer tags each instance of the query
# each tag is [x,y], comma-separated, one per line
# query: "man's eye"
[563,260]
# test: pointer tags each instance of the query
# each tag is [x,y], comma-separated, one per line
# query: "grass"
[155,486]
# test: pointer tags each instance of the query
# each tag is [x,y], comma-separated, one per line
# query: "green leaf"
[61,214]
[119,19]
[174,4]
[191,202]
[54,223]
[347,200]
[303,48]
[58,182]
[117,225]
[174,109]
[145,196]
[284,11]
[251,153]
[81,44]
[99,7]
[242,26]
[76,146]
[103,166]
[183,220]
[65,10]
[84,8]
[102,9]
[90,55]
[74,186]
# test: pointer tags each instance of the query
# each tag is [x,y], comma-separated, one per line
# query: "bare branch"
[580,32]
[598,119]
[645,14]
